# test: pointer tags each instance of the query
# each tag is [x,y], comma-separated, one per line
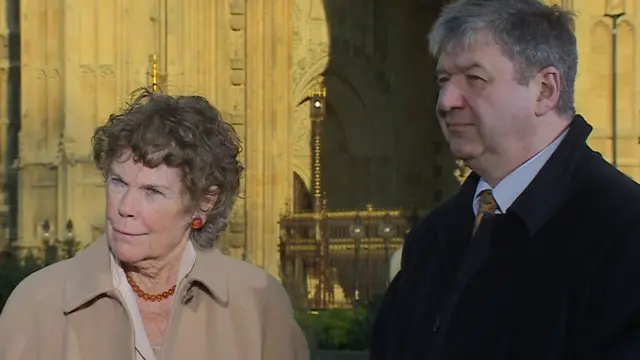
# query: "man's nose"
[450,98]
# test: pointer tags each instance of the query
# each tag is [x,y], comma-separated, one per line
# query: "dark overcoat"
[555,277]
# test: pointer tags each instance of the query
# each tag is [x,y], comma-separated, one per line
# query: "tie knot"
[487,203]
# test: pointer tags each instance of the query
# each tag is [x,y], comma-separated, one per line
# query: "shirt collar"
[508,190]
[143,346]
[89,274]
[186,265]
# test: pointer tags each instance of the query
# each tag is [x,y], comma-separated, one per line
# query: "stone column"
[78,66]
[42,67]
[269,110]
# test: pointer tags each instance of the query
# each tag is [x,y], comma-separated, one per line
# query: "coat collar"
[555,182]
[89,275]
[535,206]
[549,188]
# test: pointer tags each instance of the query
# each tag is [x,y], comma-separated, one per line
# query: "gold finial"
[321,91]
[324,202]
[154,72]
[287,207]
[461,171]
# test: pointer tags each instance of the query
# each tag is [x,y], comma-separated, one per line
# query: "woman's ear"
[209,201]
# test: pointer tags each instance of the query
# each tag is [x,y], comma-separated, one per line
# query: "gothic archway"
[302,198]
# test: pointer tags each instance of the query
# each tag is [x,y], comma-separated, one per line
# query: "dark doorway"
[381,145]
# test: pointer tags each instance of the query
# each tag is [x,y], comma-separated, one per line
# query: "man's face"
[483,112]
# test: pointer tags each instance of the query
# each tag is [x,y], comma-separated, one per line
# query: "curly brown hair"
[183,132]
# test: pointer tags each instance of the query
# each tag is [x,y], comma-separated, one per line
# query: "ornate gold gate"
[337,259]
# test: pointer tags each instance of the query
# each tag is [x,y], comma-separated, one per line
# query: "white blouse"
[144,350]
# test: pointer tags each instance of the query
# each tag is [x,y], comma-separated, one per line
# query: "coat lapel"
[454,235]
[101,332]
[98,325]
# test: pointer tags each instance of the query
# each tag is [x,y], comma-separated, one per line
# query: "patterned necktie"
[486,205]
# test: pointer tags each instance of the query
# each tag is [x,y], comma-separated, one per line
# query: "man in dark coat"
[538,255]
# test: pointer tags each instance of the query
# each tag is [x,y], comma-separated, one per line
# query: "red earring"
[196,223]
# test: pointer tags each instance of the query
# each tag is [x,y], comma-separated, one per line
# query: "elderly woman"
[154,286]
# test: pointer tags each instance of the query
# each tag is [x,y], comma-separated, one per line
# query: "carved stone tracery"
[351,55]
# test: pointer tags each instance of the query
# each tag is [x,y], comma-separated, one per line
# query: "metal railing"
[339,259]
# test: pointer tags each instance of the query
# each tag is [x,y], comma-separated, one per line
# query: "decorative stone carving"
[301,130]
[237,63]
[298,70]
[4,47]
[88,79]
[627,70]
[54,74]
[237,118]
[317,10]
[615,6]
[237,56]
[237,77]
[236,231]
[107,91]
[599,74]
[237,50]
[60,153]
[106,70]
[238,102]
[310,39]
[87,70]
[235,235]
[41,74]
[238,7]
[237,22]
[297,42]
[317,49]
[69,146]
[236,220]
[31,151]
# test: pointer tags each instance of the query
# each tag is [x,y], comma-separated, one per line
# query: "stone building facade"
[76,61]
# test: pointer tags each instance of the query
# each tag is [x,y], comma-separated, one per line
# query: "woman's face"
[148,211]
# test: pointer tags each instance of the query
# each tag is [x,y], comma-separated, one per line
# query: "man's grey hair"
[531,34]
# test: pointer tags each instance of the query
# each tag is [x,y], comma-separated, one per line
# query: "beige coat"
[227,310]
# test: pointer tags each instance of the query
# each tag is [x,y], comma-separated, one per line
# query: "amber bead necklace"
[146,296]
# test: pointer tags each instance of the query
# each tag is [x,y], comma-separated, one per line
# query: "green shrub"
[13,269]
[339,329]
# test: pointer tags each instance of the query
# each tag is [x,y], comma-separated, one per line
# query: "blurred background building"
[333,100]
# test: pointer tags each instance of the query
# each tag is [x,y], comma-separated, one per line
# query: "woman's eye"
[115,180]
[152,191]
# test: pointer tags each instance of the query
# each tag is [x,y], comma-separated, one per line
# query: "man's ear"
[549,85]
